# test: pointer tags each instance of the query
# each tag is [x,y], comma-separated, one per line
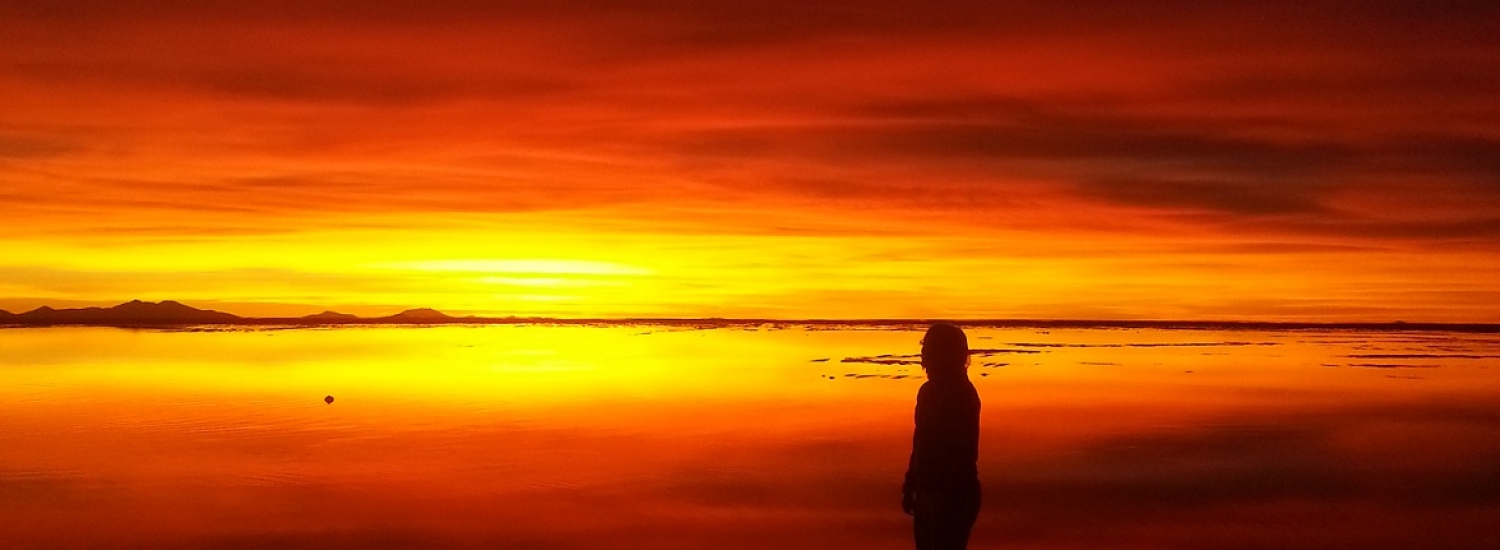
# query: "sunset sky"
[1316,161]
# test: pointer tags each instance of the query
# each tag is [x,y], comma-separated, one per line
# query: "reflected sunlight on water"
[655,437]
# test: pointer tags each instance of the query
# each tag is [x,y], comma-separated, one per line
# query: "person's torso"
[951,434]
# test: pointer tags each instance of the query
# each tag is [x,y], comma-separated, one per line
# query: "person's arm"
[913,465]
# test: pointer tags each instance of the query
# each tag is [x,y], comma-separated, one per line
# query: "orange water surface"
[558,437]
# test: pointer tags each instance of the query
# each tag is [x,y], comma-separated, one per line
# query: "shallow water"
[654,437]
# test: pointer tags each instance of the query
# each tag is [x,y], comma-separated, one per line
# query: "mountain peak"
[162,305]
[330,315]
[421,313]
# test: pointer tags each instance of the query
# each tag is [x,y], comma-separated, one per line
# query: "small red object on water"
[328,400]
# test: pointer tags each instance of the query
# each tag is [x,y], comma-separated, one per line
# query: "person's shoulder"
[926,389]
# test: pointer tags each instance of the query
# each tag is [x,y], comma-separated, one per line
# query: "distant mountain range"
[168,313]
[134,312]
[173,313]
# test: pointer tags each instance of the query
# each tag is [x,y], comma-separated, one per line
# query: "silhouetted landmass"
[132,313]
[332,317]
[986,352]
[169,313]
[1137,345]
[419,315]
[882,360]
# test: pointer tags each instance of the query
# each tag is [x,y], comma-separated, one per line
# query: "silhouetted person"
[942,482]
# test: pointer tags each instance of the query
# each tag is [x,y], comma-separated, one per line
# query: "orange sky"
[1323,161]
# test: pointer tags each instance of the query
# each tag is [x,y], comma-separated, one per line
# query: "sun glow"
[522,266]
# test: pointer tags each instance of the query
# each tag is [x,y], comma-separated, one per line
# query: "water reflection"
[576,437]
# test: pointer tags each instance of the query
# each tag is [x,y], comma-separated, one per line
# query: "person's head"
[945,351]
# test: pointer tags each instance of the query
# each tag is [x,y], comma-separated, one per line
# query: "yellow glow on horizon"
[550,282]
[509,265]
[521,266]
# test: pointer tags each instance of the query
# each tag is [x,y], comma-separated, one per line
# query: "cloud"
[1162,127]
[32,147]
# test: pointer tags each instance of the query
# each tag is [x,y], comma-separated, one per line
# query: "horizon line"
[410,316]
